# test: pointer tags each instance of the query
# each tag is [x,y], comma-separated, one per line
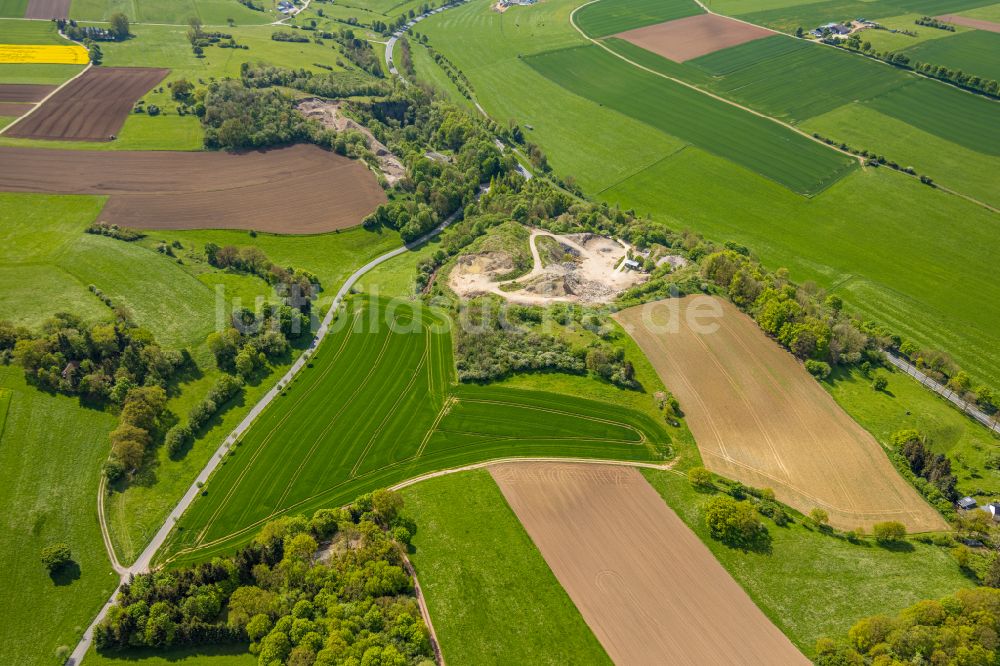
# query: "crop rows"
[607,17]
[377,406]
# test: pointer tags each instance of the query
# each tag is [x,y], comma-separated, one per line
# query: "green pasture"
[204,655]
[491,595]
[210,12]
[949,164]
[430,72]
[814,584]
[350,424]
[788,158]
[794,79]
[784,16]
[975,52]
[51,452]
[684,71]
[42,74]
[868,238]
[884,40]
[607,17]
[906,404]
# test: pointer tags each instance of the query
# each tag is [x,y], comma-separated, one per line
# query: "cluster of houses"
[510,3]
[841,29]
[969,503]
[285,7]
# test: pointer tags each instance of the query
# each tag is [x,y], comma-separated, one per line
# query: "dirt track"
[978,24]
[650,591]
[23,92]
[760,418]
[47,9]
[301,189]
[687,38]
[92,107]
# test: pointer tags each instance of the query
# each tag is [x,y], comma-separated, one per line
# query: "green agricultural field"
[975,52]
[987,13]
[794,79]
[948,163]
[788,158]
[348,425]
[813,584]
[884,40]
[211,12]
[432,73]
[906,404]
[607,17]
[31,32]
[878,261]
[33,73]
[13,8]
[785,16]
[684,71]
[491,596]
[51,451]
[933,106]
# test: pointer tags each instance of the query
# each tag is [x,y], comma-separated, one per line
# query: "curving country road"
[142,563]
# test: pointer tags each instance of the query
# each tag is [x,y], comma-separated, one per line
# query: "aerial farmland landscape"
[414,332]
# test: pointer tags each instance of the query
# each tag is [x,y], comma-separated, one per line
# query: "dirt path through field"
[651,592]
[759,417]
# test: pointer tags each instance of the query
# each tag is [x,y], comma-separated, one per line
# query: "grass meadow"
[608,17]
[491,595]
[791,584]
[51,452]
[13,8]
[30,32]
[906,404]
[788,158]
[986,13]
[348,425]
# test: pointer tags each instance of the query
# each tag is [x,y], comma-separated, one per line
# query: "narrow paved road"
[943,391]
[391,44]
[142,563]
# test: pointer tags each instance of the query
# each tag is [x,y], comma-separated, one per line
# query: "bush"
[56,556]
[880,383]
[889,532]
[735,523]
[700,477]
[773,510]
[177,439]
[818,369]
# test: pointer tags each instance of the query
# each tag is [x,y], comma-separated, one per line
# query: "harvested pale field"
[298,190]
[760,418]
[694,36]
[92,107]
[47,9]
[23,92]
[978,24]
[650,591]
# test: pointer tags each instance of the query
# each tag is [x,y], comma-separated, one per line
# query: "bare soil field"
[651,592]
[759,417]
[687,38]
[47,9]
[595,274]
[92,107]
[978,24]
[23,92]
[8,109]
[298,190]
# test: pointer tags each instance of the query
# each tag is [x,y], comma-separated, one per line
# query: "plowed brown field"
[92,107]
[760,418]
[978,24]
[694,36]
[47,9]
[651,592]
[23,92]
[14,110]
[299,190]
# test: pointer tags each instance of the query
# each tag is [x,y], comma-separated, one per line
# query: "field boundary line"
[691,86]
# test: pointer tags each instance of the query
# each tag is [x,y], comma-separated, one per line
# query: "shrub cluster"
[179,437]
[237,118]
[349,602]
[114,231]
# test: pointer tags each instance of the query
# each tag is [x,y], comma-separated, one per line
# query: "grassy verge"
[491,596]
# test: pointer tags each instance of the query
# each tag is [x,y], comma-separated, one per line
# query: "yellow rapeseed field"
[40,53]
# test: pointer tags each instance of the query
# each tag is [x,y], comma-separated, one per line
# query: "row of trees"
[138,425]
[295,602]
[934,468]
